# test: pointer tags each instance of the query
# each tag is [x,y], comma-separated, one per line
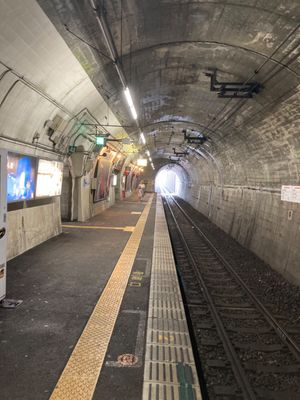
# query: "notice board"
[290,193]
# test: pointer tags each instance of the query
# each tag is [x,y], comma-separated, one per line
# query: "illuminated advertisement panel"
[118,165]
[115,180]
[128,182]
[21,176]
[49,178]
[134,182]
[103,175]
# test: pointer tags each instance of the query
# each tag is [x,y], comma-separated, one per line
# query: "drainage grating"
[170,372]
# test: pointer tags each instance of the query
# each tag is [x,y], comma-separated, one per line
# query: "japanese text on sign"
[290,193]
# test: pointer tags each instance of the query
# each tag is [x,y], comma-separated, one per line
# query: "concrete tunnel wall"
[239,187]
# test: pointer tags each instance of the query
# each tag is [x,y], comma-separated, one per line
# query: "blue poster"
[21,175]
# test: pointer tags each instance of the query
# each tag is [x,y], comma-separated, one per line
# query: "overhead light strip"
[143,139]
[102,22]
[130,102]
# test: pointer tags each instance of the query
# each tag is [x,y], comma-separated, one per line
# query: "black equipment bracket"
[232,90]
[180,153]
[200,139]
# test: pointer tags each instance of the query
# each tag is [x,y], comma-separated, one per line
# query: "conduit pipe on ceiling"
[43,94]
[36,89]
[205,154]
[6,96]
[8,92]
[222,121]
[100,17]
[43,147]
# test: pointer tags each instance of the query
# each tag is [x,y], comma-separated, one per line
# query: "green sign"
[72,149]
[100,140]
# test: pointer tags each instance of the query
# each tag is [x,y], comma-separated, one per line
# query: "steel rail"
[283,335]
[237,368]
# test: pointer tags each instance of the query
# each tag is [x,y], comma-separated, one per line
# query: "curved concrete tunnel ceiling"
[166,47]
[47,101]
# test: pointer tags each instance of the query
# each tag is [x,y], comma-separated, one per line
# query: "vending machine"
[3,217]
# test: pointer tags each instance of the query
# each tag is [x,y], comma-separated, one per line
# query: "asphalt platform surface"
[60,281]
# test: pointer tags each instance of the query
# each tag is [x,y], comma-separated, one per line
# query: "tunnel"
[171,179]
[150,163]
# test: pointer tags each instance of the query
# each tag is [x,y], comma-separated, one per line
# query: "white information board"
[49,178]
[290,193]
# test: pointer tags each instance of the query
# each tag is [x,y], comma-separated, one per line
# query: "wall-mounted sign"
[86,182]
[100,140]
[290,193]
[115,180]
[142,162]
[21,176]
[118,164]
[103,174]
[49,178]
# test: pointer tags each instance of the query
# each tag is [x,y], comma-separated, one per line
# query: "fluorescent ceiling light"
[142,136]
[130,103]
[148,153]
[142,162]
[150,159]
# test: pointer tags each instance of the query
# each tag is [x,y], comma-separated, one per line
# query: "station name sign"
[290,193]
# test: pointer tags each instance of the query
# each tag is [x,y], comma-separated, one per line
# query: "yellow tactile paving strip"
[80,376]
[114,228]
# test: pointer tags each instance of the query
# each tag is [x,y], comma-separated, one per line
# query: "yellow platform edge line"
[80,375]
[116,228]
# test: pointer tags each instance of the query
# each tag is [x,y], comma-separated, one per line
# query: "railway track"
[245,353]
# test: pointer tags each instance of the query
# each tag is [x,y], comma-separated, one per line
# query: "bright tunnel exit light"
[130,103]
[161,182]
[168,182]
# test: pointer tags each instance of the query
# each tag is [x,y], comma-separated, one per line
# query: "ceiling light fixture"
[148,153]
[130,102]
[142,136]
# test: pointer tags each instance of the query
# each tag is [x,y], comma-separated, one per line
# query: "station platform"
[102,315]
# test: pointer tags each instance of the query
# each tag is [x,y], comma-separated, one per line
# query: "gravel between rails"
[281,297]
